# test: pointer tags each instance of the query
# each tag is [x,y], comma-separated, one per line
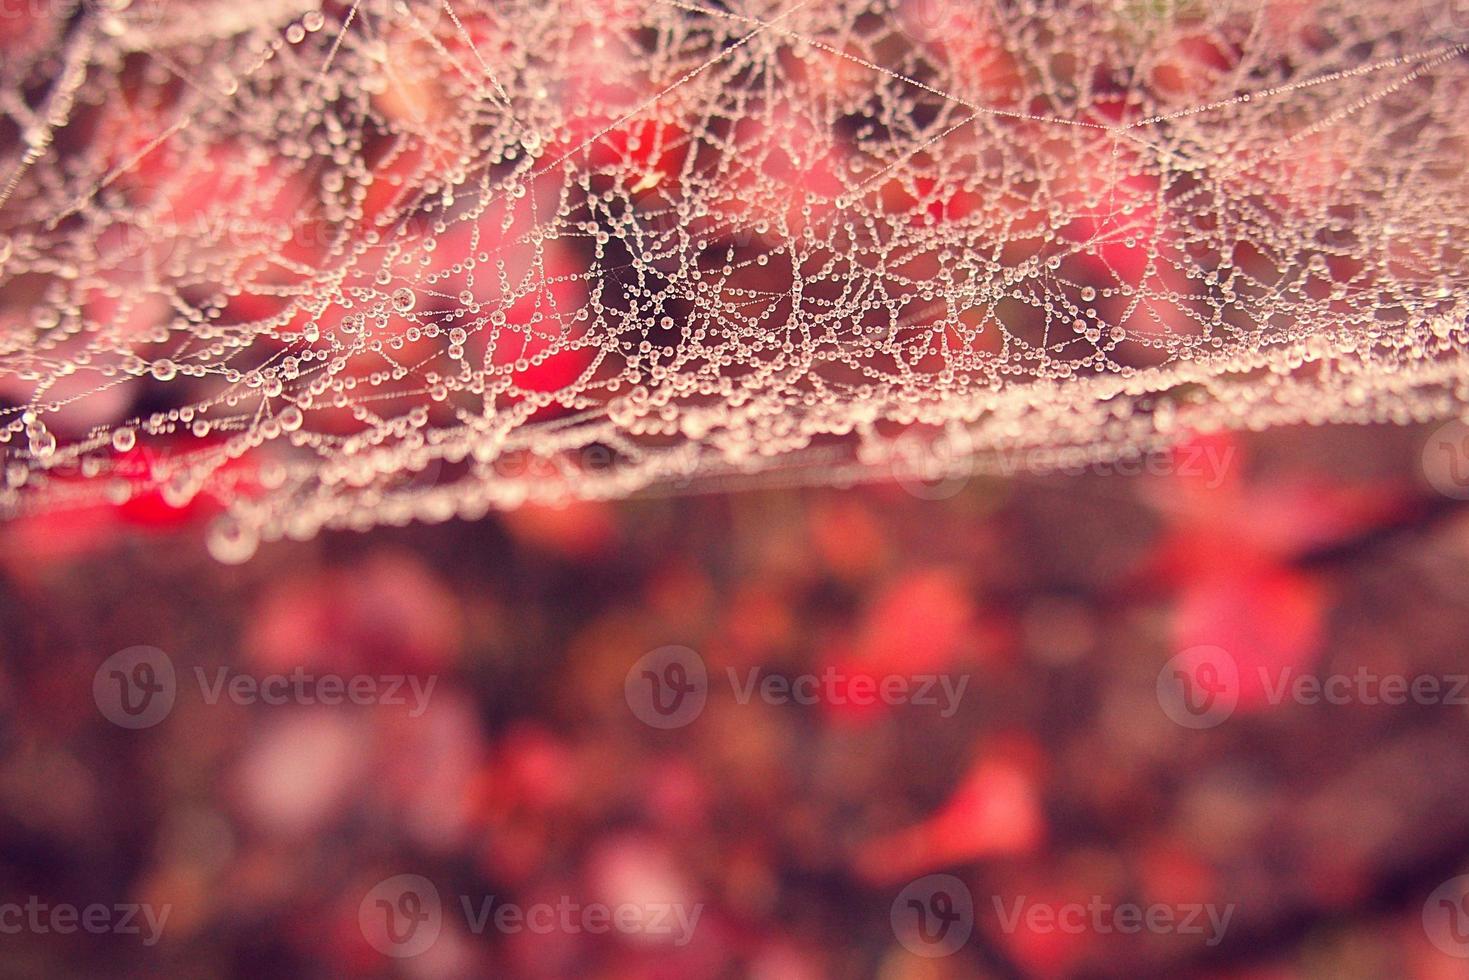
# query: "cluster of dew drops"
[348,264]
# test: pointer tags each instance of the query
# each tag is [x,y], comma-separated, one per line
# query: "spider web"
[343,265]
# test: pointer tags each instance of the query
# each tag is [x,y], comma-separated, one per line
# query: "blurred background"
[526,773]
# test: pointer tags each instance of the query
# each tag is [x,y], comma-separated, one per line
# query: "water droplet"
[43,444]
[231,542]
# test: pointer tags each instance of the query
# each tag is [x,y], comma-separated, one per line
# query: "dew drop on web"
[726,242]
